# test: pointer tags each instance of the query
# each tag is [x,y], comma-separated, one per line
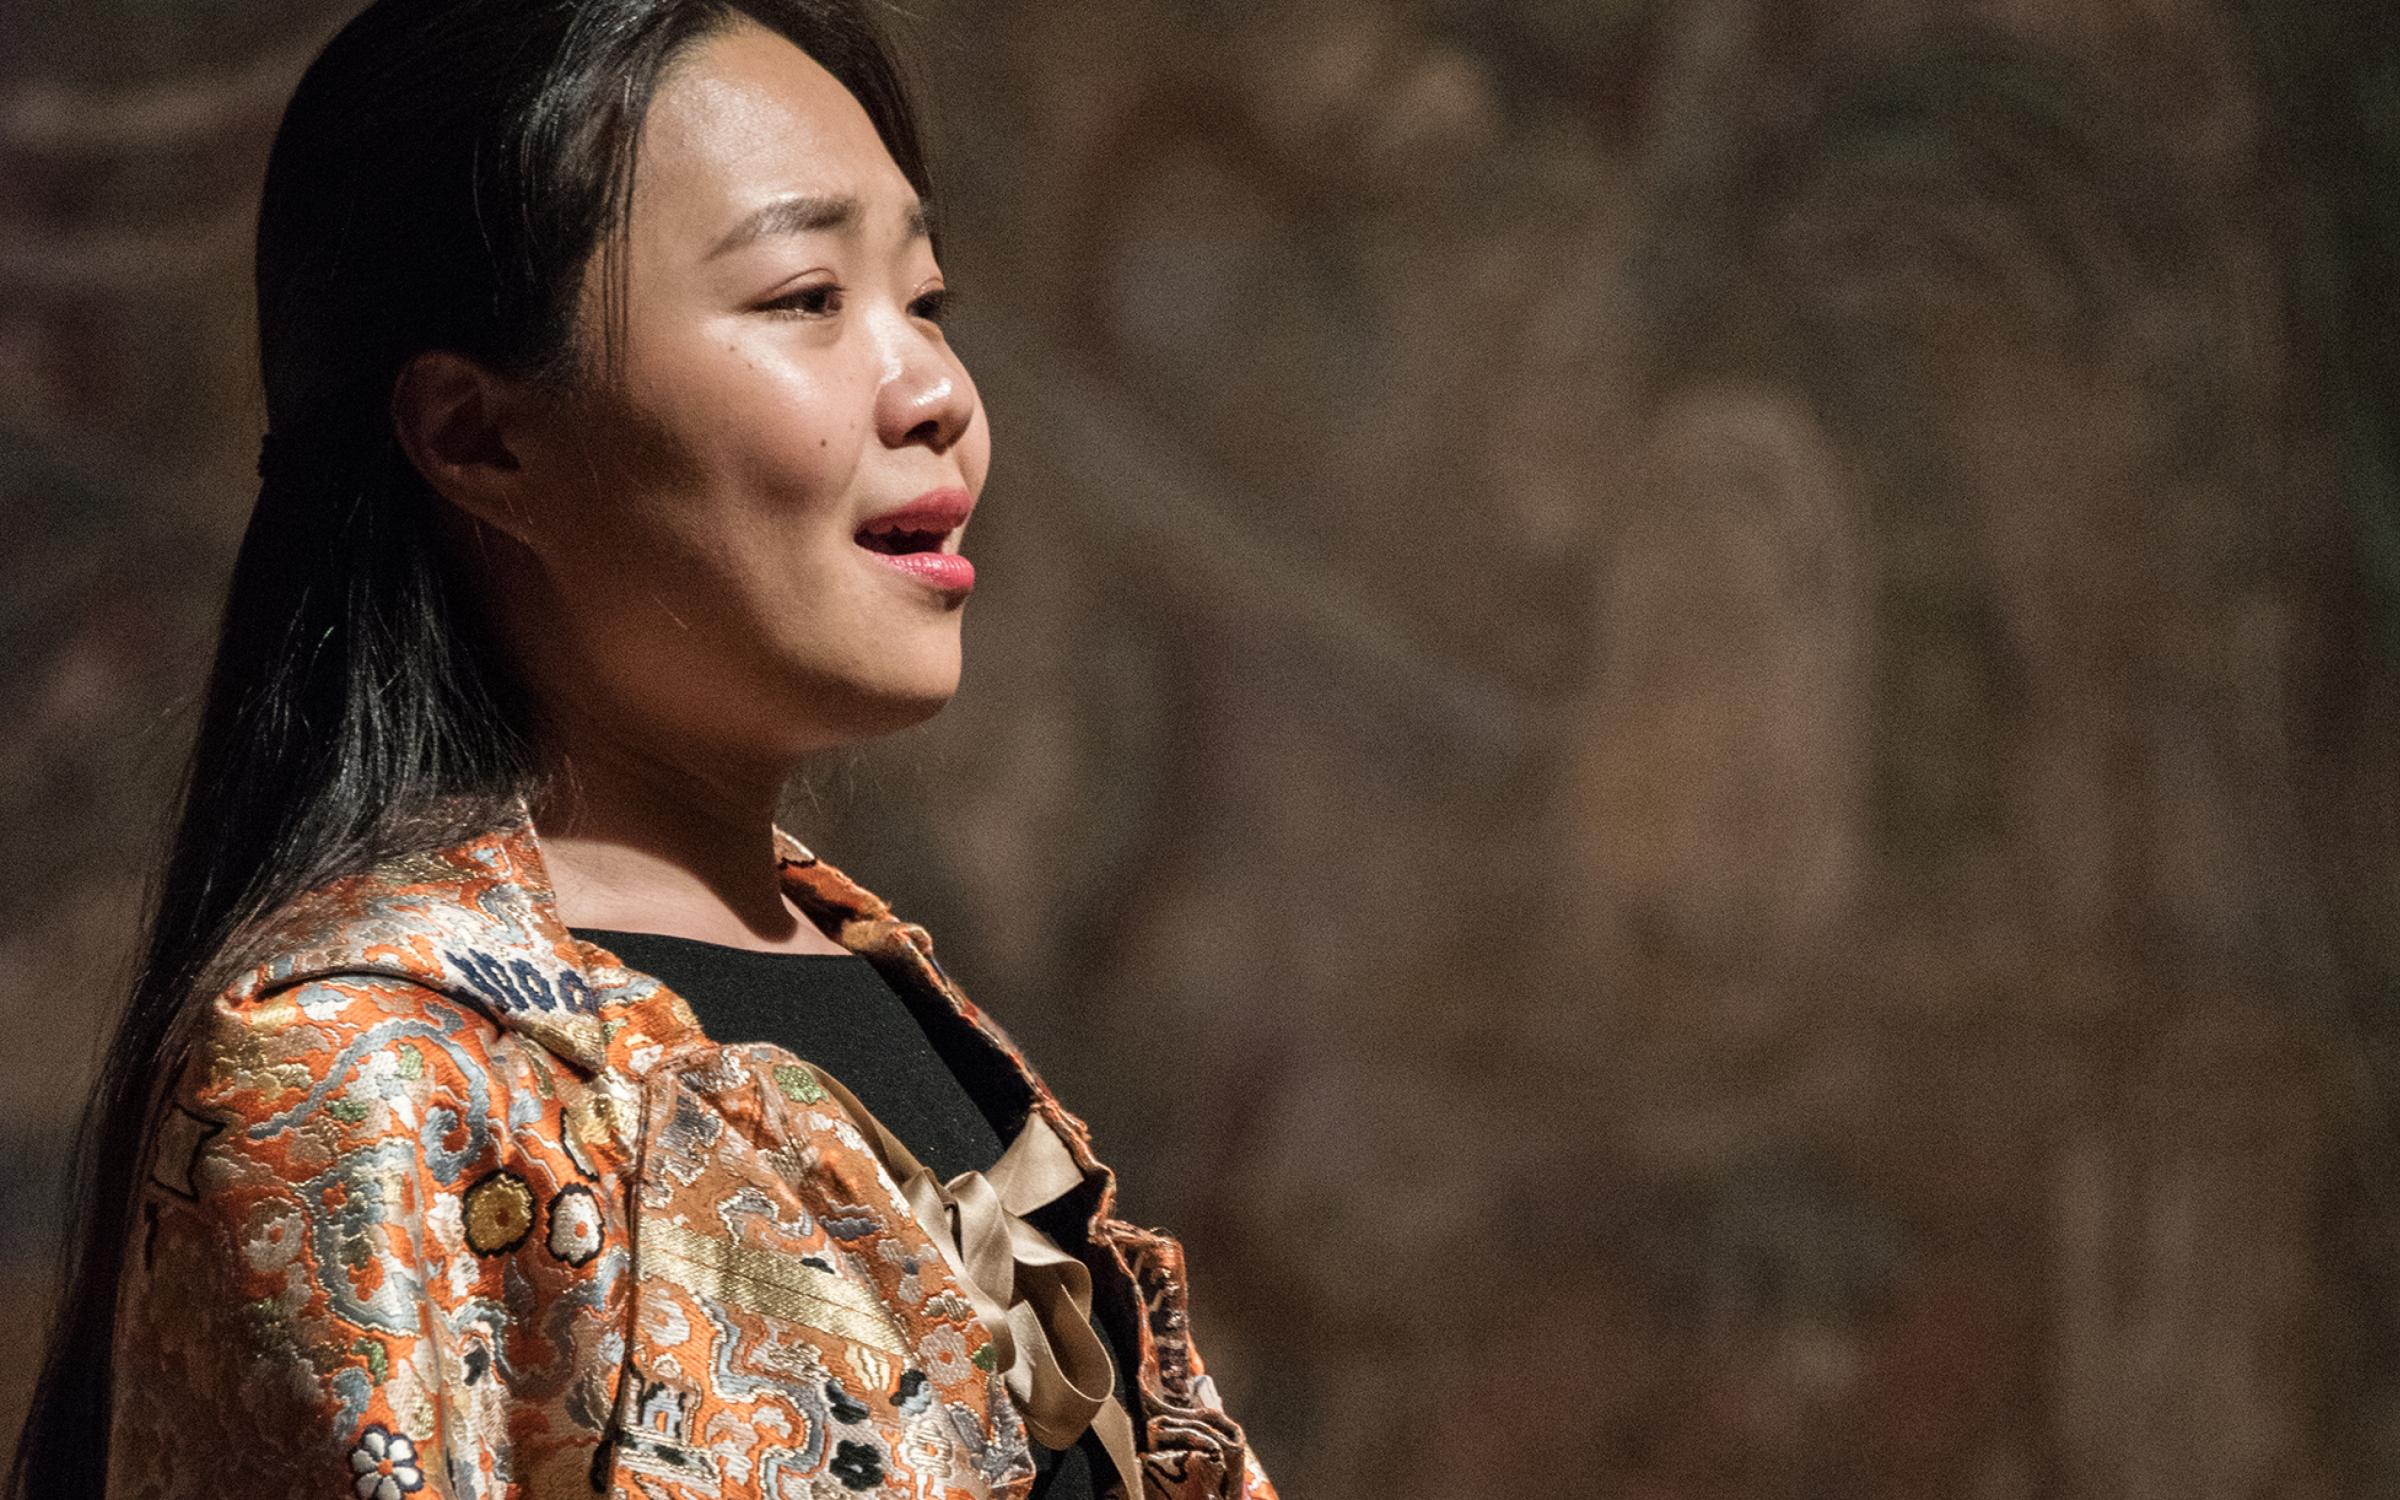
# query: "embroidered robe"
[450,1203]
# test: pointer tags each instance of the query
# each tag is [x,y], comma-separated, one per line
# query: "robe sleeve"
[1195,1450]
[1252,1483]
[296,1308]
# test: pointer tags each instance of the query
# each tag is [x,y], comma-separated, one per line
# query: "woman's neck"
[638,843]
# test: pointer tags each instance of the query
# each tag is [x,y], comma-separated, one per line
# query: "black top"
[837,1012]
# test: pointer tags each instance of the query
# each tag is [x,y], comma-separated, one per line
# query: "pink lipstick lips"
[911,539]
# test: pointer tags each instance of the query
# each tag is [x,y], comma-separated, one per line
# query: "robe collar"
[479,922]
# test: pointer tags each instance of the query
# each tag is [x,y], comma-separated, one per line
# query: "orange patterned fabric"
[450,1203]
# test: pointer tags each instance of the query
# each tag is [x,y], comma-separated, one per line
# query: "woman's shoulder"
[467,929]
[344,960]
[338,1060]
[355,1028]
[376,989]
[437,917]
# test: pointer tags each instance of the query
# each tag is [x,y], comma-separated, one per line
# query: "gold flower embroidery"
[499,1213]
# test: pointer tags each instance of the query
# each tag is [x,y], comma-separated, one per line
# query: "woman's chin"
[887,704]
[901,712]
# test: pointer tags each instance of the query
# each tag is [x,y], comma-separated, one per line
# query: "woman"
[615,462]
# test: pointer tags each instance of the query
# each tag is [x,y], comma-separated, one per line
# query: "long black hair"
[449,174]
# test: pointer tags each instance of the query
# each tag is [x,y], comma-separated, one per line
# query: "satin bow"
[1033,1298]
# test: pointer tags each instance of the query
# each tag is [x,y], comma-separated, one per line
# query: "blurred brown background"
[1683,717]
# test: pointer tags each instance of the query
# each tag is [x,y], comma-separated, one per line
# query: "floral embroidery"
[944,1354]
[574,1225]
[385,1464]
[499,1213]
[857,1465]
[426,1070]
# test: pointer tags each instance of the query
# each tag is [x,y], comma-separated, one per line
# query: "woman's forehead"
[746,122]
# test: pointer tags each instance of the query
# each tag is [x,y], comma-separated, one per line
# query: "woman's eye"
[932,306]
[822,300]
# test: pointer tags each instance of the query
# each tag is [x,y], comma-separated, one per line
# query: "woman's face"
[750,537]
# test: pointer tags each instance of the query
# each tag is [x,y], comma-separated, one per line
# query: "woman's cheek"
[803,469]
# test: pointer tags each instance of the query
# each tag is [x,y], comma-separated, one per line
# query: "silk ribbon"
[1033,1298]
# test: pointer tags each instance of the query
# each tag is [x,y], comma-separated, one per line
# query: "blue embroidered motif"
[521,985]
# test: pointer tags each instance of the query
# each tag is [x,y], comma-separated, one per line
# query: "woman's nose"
[924,396]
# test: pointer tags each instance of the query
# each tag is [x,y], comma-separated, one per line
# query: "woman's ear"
[457,421]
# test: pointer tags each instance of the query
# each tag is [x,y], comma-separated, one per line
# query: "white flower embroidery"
[386,1465]
[575,1228]
[943,1353]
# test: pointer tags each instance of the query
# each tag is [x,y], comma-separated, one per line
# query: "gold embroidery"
[563,1116]
[769,1281]
[499,1210]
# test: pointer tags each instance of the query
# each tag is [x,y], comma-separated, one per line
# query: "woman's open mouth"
[900,541]
[911,540]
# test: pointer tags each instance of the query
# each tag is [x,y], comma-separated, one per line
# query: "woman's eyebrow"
[808,213]
[795,213]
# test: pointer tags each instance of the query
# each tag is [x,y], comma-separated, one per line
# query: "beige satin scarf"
[1034,1299]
